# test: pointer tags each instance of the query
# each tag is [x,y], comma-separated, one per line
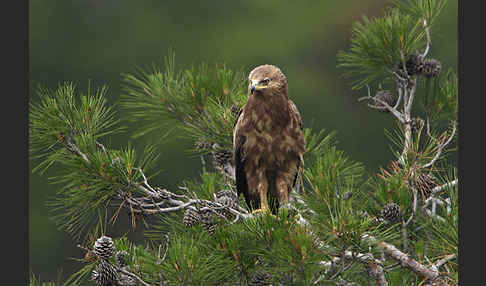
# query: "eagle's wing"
[300,163]
[294,110]
[237,119]
[239,157]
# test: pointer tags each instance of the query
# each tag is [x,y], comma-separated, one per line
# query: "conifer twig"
[350,255]
[432,212]
[414,208]
[166,247]
[361,257]
[406,260]
[377,272]
[433,215]
[409,95]
[444,260]
[393,110]
[375,265]
[71,146]
[400,95]
[427,35]
[440,188]
[441,145]
[133,276]
[405,224]
[147,205]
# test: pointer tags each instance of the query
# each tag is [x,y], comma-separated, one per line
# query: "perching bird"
[268,142]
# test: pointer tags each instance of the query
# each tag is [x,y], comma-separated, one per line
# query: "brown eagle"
[268,142]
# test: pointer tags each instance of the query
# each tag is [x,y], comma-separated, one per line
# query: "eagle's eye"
[265,81]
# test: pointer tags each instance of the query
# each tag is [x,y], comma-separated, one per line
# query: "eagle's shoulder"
[239,116]
[239,155]
[238,136]
[295,112]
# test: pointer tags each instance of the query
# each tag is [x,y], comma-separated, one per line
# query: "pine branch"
[441,144]
[443,261]
[159,260]
[409,95]
[427,34]
[140,280]
[375,265]
[385,105]
[440,188]
[154,198]
[433,200]
[379,275]
[407,261]
[414,209]
[183,202]
[196,101]
[430,272]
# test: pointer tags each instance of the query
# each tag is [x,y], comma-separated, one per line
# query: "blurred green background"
[81,40]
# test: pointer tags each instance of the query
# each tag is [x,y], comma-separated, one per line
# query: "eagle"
[268,142]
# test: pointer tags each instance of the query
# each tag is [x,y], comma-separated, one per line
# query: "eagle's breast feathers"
[273,140]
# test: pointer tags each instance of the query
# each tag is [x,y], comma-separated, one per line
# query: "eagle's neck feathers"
[273,109]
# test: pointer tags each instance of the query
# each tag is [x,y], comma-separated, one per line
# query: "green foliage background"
[99,40]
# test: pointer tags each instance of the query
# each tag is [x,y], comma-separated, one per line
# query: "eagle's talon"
[261,210]
[256,211]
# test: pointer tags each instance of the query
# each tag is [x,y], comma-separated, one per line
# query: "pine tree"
[343,227]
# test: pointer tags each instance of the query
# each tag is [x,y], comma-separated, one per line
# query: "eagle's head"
[267,80]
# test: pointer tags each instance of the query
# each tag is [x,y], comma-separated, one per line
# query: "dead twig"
[393,110]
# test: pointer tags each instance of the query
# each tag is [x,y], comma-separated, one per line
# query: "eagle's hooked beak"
[256,86]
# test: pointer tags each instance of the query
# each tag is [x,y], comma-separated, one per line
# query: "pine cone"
[222,158]
[414,65]
[388,97]
[105,274]
[227,193]
[191,218]
[200,145]
[121,258]
[431,67]
[210,228]
[424,184]
[260,278]
[103,247]
[95,276]
[227,202]
[228,199]
[391,212]
[208,224]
